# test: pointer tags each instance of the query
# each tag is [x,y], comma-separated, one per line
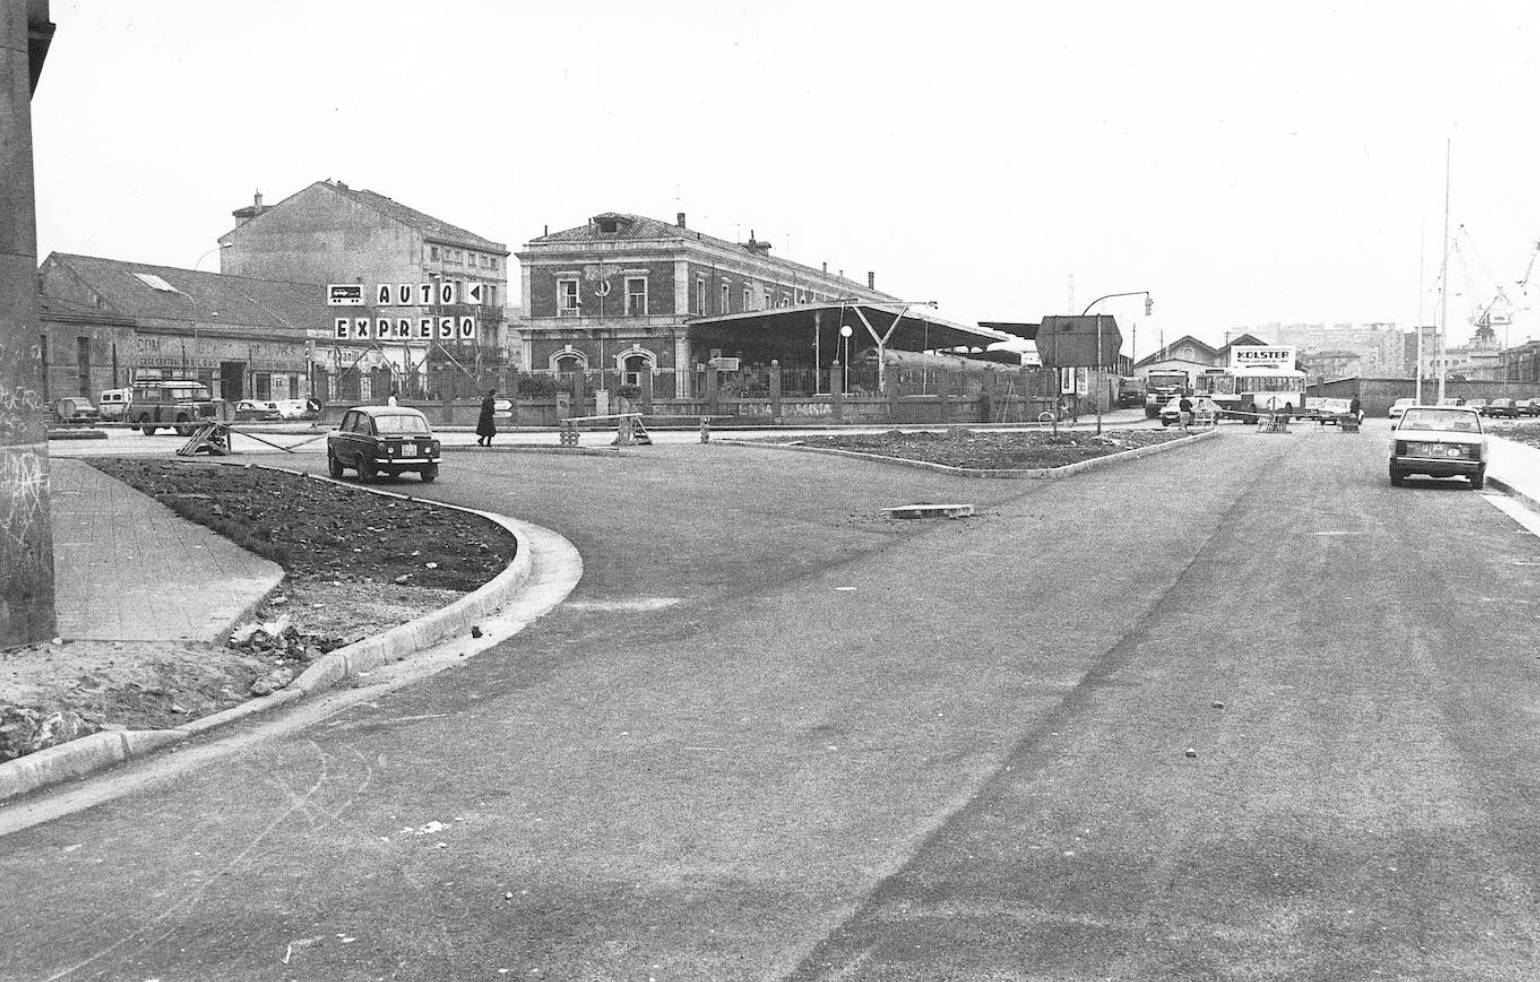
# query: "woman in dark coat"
[485,429]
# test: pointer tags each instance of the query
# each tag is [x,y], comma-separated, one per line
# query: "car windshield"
[400,424]
[1458,421]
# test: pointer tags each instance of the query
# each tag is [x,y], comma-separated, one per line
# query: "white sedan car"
[1439,441]
[1400,406]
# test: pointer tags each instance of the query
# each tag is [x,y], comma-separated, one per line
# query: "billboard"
[1086,341]
[1262,356]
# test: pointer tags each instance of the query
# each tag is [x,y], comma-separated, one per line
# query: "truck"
[1160,387]
[181,405]
[1130,392]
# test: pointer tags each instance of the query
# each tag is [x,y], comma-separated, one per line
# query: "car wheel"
[145,427]
[1478,480]
[1396,477]
[333,465]
[365,468]
[183,428]
[429,473]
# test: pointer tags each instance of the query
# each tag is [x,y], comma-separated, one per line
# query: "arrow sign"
[473,293]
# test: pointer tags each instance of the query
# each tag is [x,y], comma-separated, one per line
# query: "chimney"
[244,215]
[871,279]
[826,269]
[680,221]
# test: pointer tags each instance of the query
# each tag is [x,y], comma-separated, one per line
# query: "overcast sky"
[1243,167]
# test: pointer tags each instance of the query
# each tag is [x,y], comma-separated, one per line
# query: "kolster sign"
[1262,356]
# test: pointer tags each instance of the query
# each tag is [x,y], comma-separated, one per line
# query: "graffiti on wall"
[20,413]
[25,543]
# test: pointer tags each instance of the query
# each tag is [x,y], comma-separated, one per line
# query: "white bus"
[1261,379]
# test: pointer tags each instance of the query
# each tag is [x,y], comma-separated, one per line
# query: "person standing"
[1356,408]
[1184,412]
[485,428]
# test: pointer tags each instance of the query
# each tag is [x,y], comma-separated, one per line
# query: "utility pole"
[26,531]
[1443,288]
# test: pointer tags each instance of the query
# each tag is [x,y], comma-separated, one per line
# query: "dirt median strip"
[1036,473]
[105,749]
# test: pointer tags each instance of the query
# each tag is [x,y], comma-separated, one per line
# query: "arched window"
[569,360]
[633,363]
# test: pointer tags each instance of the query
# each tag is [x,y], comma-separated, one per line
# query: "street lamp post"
[845,332]
[1149,305]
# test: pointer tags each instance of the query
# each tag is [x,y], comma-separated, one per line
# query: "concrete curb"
[1513,492]
[109,748]
[1040,473]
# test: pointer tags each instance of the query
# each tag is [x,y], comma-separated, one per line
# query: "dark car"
[1501,407]
[375,440]
[1528,407]
[253,409]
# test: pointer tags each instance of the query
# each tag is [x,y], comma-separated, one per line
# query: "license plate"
[408,449]
[1436,450]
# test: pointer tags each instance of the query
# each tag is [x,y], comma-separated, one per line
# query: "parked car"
[1501,406]
[257,409]
[374,440]
[1451,401]
[1400,406]
[1331,410]
[1476,404]
[113,403]
[299,408]
[1203,407]
[1439,441]
[75,410]
[1528,407]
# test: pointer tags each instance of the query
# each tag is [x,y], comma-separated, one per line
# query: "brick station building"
[631,294]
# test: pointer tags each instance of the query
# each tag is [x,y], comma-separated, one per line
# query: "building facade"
[110,322]
[619,292]
[1379,346]
[332,233]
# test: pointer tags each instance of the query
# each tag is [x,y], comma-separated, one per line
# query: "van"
[114,403]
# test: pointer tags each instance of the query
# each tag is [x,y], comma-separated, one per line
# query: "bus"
[1260,380]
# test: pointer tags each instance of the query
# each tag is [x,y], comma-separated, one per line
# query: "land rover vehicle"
[374,440]
[1439,441]
[180,404]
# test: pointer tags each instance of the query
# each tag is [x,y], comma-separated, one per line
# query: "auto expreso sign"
[1262,356]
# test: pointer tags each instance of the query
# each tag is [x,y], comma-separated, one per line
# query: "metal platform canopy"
[811,332]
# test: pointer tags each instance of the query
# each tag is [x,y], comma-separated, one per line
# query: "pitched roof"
[58,310]
[640,228]
[429,226]
[146,292]
[1163,353]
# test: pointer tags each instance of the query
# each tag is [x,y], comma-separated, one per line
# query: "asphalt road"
[773,735]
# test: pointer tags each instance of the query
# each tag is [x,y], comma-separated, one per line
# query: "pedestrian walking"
[1184,412]
[1357,409]
[485,428]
